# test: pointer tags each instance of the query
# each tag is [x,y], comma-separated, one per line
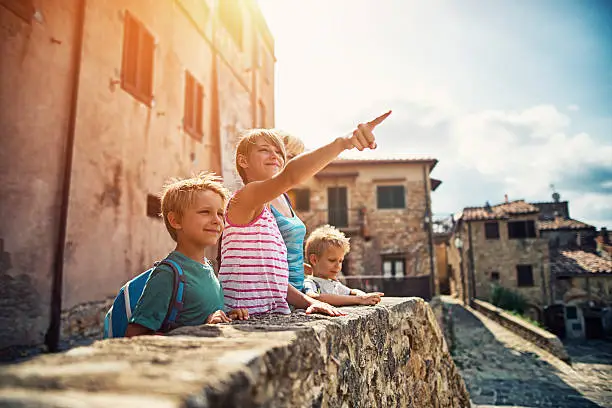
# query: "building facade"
[500,245]
[100,103]
[384,206]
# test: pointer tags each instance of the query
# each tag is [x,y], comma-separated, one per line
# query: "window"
[194,107]
[300,199]
[390,197]
[524,275]
[153,206]
[394,267]
[494,276]
[23,9]
[262,114]
[230,15]
[137,64]
[492,230]
[521,229]
[571,312]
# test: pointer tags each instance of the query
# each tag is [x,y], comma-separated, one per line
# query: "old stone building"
[100,103]
[500,245]
[385,208]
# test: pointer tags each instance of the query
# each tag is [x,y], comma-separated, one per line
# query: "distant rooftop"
[499,211]
[573,263]
[563,224]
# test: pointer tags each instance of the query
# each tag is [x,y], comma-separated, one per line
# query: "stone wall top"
[393,354]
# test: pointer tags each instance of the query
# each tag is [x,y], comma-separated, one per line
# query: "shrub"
[508,300]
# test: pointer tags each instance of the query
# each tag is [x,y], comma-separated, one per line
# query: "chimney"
[506,198]
[605,236]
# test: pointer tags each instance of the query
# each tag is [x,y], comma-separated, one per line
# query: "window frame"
[392,204]
[527,231]
[134,61]
[521,282]
[393,259]
[193,110]
[488,235]
[300,199]
[153,206]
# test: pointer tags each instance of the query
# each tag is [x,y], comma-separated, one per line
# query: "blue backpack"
[118,316]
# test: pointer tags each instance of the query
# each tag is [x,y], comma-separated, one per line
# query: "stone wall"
[540,337]
[383,356]
[400,233]
[502,256]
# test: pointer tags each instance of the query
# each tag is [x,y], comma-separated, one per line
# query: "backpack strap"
[178,296]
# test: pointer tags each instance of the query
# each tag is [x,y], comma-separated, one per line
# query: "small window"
[524,275]
[494,276]
[492,230]
[394,267]
[153,206]
[571,312]
[230,15]
[390,197]
[23,9]
[194,107]
[300,199]
[521,229]
[137,64]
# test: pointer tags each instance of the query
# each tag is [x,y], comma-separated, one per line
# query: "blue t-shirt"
[293,231]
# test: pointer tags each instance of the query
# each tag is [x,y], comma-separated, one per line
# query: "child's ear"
[242,161]
[312,259]
[174,220]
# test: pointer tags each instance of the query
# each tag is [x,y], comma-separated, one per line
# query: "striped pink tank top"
[254,272]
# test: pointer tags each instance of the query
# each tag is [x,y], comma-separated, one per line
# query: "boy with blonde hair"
[193,210]
[325,250]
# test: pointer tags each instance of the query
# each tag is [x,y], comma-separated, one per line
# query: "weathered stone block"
[382,356]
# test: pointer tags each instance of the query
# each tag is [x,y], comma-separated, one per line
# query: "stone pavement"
[502,369]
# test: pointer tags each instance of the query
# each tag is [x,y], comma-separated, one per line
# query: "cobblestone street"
[502,369]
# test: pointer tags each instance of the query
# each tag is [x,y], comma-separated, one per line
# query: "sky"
[510,96]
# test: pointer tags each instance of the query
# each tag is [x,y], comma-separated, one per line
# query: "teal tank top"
[293,231]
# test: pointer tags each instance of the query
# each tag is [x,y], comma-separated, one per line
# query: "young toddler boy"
[193,211]
[326,248]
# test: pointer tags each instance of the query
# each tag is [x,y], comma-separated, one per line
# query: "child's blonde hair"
[179,194]
[323,237]
[293,145]
[248,140]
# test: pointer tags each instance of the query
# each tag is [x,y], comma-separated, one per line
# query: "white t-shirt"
[316,285]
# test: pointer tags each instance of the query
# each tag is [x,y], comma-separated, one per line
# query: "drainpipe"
[52,337]
[471,253]
[432,285]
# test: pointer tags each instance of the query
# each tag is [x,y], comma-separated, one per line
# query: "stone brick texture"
[389,355]
[385,231]
[503,255]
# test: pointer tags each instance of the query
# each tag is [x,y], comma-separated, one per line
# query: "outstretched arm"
[255,194]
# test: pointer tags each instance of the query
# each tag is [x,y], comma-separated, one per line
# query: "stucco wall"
[36,81]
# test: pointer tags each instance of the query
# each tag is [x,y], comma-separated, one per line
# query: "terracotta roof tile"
[560,223]
[571,263]
[500,211]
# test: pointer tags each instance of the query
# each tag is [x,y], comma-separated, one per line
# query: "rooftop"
[563,224]
[574,263]
[499,211]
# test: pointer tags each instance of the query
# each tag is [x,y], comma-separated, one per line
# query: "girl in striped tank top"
[254,271]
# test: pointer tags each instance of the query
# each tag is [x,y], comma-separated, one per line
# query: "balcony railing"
[404,286]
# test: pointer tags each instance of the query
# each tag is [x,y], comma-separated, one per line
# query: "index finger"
[373,123]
